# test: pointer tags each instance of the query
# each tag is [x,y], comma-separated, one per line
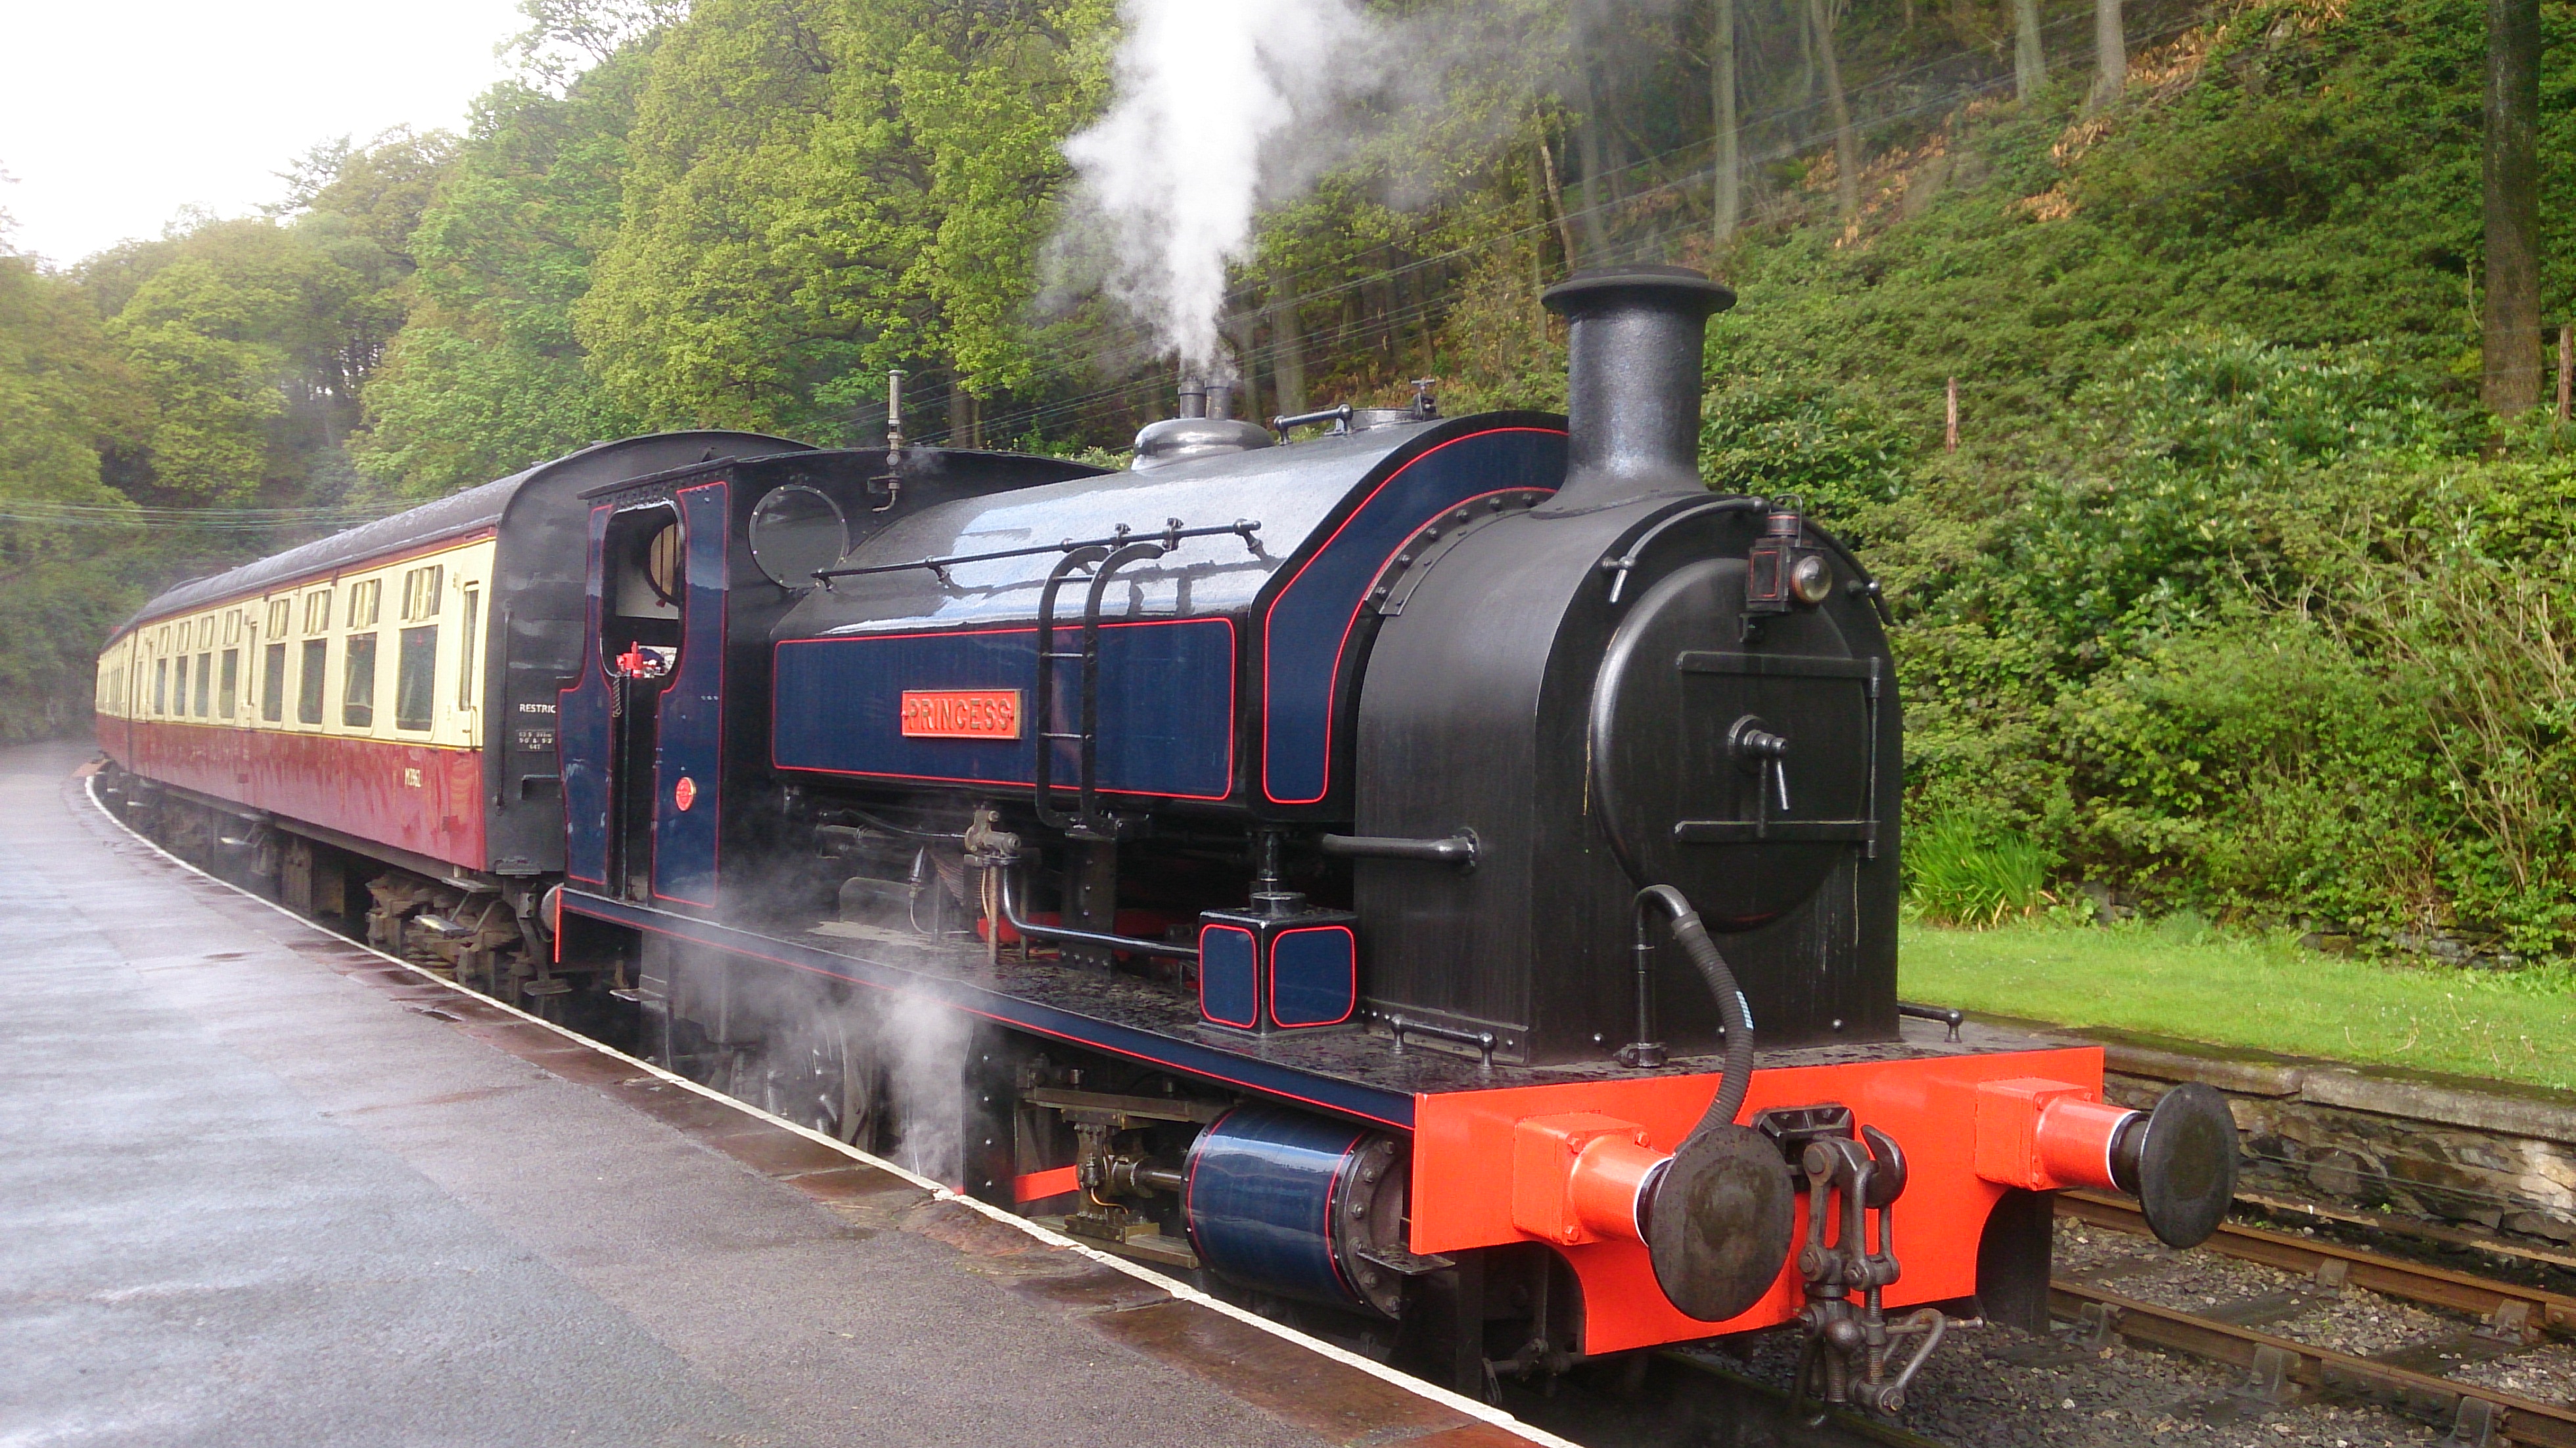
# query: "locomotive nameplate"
[961,713]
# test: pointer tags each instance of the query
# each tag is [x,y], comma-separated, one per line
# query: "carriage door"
[641,619]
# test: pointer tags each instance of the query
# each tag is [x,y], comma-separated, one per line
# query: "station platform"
[259,1186]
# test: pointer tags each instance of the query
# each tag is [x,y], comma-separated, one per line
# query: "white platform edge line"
[1181,1291]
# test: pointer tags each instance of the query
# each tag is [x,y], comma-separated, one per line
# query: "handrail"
[1458,849]
[1128,943]
[1171,534]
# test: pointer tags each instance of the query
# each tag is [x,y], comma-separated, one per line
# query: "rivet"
[1838,1025]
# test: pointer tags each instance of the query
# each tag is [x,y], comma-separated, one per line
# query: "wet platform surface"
[259,1186]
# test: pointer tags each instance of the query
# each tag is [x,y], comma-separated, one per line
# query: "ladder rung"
[1051,734]
[1076,655]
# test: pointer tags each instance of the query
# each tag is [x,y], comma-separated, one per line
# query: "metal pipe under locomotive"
[1439,877]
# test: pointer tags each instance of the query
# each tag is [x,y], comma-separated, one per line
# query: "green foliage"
[1810,441]
[487,376]
[1962,871]
[820,189]
[64,395]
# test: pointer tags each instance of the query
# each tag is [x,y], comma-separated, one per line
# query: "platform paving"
[260,1187]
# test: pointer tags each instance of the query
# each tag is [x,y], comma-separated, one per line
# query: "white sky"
[114,115]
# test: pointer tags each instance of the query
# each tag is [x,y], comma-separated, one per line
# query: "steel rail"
[2516,1419]
[2539,1310]
[2396,1226]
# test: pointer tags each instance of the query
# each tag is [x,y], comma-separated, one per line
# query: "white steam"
[1217,101]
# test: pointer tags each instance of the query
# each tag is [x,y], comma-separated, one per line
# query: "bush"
[1813,442]
[1961,872]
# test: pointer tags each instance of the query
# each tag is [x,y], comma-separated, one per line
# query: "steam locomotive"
[1437,876]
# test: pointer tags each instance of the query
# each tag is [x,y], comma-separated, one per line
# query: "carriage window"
[160,686]
[308,683]
[205,682]
[317,613]
[420,592]
[358,684]
[794,531]
[467,666]
[416,678]
[272,685]
[280,614]
[366,601]
[228,692]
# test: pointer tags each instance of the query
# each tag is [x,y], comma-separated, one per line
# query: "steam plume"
[1212,100]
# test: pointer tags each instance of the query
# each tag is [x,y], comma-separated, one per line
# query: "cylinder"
[1281,1201]
[2076,1140]
[1633,351]
[1610,1183]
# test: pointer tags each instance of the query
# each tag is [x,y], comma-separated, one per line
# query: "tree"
[2511,381]
[1721,90]
[237,330]
[487,375]
[2030,57]
[2110,55]
[822,189]
[64,396]
[1820,22]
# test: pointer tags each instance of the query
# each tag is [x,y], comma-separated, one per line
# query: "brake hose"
[1692,936]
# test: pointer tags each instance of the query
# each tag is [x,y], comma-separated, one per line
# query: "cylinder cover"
[1287,1202]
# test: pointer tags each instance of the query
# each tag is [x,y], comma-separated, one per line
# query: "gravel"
[1991,1386]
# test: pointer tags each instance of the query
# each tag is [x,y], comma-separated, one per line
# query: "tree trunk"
[1556,200]
[1245,335]
[1820,21]
[1802,116]
[1587,135]
[2110,55]
[2030,59]
[1287,350]
[1730,155]
[2512,351]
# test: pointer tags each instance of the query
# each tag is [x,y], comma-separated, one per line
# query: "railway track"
[2488,1322]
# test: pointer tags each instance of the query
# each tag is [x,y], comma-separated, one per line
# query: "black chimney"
[1633,381]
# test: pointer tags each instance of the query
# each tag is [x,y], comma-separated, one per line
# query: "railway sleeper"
[2281,1371]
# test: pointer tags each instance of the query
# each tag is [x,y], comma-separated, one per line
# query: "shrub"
[1960,872]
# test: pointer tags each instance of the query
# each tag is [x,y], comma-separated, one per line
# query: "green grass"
[2181,977]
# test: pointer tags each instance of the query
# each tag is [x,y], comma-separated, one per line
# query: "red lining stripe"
[1274,977]
[1233,646]
[1332,682]
[1204,932]
[662,708]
